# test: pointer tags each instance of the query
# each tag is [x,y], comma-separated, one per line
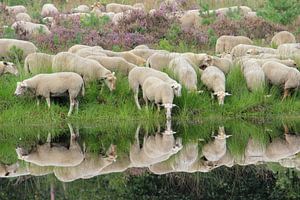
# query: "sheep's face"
[176,89]
[9,68]
[207,61]
[21,88]
[177,146]
[221,96]
[110,81]
[291,63]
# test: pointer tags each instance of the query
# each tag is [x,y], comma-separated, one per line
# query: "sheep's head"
[176,87]
[221,96]
[291,63]
[21,88]
[177,145]
[207,61]
[110,81]
[111,154]
[9,67]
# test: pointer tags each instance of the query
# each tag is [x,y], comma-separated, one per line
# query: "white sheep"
[118,8]
[254,153]
[77,47]
[88,69]
[198,61]
[38,62]
[253,73]
[51,85]
[23,17]
[117,64]
[90,51]
[127,55]
[29,28]
[225,43]
[290,50]
[25,46]
[160,60]
[49,10]
[121,164]
[214,79]
[190,19]
[56,155]
[81,9]
[8,170]
[244,49]
[13,10]
[146,53]
[184,72]
[8,67]
[138,75]
[287,62]
[283,37]
[280,74]
[223,64]
[142,46]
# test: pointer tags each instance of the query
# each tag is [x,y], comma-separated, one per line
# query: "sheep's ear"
[172,86]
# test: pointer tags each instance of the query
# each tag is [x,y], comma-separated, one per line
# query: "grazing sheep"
[283,37]
[25,46]
[155,89]
[90,51]
[190,19]
[184,72]
[49,10]
[56,155]
[138,75]
[225,43]
[142,46]
[121,164]
[81,9]
[160,60]
[146,53]
[198,61]
[132,58]
[215,150]
[8,67]
[77,47]
[114,63]
[14,10]
[252,53]
[23,17]
[29,28]
[253,73]
[214,79]
[88,69]
[280,74]
[51,85]
[38,62]
[244,49]
[291,50]
[223,64]
[287,62]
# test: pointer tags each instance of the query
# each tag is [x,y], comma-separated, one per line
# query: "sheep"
[223,64]
[38,62]
[88,69]
[287,62]
[132,58]
[14,10]
[77,47]
[290,50]
[8,170]
[225,43]
[190,19]
[159,60]
[121,164]
[8,67]
[23,17]
[146,53]
[215,150]
[254,75]
[198,61]
[49,10]
[81,9]
[90,51]
[56,155]
[280,74]
[29,28]
[244,49]
[114,63]
[251,15]
[184,72]
[253,53]
[283,37]
[223,11]
[143,46]
[214,79]
[51,85]
[138,75]
[119,8]
[25,46]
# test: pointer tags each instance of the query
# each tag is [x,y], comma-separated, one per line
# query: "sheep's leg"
[49,138]
[72,136]
[168,113]
[286,94]
[48,102]
[212,95]
[37,101]
[146,100]
[77,106]
[136,98]
[137,135]
[72,104]
[158,107]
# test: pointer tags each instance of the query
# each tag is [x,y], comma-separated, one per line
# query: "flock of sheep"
[161,153]
[145,66]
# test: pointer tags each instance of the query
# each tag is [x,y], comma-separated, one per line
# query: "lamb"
[88,69]
[242,50]
[29,28]
[14,10]
[56,155]
[23,17]
[215,150]
[254,74]
[226,43]
[290,50]
[49,10]
[51,85]
[280,74]
[8,67]
[81,9]
[77,47]
[214,79]
[38,62]
[138,75]
[184,72]
[114,63]
[25,46]
[283,37]
[159,61]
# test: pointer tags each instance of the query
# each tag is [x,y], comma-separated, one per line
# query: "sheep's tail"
[26,67]
[83,89]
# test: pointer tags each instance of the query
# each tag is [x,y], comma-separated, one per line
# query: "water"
[215,159]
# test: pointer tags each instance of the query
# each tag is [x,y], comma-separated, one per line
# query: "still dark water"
[232,159]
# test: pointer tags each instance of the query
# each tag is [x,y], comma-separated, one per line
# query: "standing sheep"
[280,74]
[283,37]
[8,67]
[25,46]
[160,60]
[244,49]
[225,43]
[29,28]
[81,9]
[253,73]
[223,64]
[214,79]
[77,47]
[23,17]
[38,62]
[51,85]
[88,69]
[14,10]
[146,53]
[49,10]
[184,72]
[138,75]
[291,50]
